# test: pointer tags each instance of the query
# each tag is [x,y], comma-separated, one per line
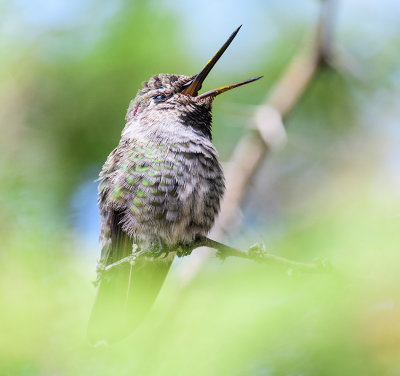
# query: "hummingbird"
[159,190]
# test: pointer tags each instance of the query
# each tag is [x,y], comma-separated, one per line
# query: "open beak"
[195,85]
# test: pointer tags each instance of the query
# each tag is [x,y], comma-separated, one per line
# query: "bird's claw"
[102,269]
[183,250]
[155,250]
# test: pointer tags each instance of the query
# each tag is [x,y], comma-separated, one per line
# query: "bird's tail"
[126,292]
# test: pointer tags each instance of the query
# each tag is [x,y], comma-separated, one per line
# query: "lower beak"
[222,89]
[195,85]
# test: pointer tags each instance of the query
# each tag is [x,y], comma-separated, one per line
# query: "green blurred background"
[68,70]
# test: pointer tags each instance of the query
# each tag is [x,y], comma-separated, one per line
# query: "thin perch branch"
[255,253]
[258,253]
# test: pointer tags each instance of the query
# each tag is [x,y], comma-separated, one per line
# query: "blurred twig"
[269,130]
[268,118]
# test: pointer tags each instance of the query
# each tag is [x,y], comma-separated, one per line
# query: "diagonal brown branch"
[253,148]
[269,131]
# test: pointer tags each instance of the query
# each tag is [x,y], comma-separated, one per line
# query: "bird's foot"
[155,250]
[102,269]
[128,259]
[183,250]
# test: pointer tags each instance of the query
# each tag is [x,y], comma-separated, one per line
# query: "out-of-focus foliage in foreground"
[237,318]
[67,74]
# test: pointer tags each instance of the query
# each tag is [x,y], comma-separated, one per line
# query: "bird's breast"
[169,191]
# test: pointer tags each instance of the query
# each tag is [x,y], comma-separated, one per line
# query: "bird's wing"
[126,290]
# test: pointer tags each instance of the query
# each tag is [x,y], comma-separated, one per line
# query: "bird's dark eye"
[160,97]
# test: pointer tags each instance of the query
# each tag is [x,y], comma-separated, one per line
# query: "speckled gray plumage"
[164,179]
[159,188]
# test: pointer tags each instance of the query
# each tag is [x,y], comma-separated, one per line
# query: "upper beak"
[195,84]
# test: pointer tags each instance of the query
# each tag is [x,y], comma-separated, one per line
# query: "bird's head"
[170,97]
